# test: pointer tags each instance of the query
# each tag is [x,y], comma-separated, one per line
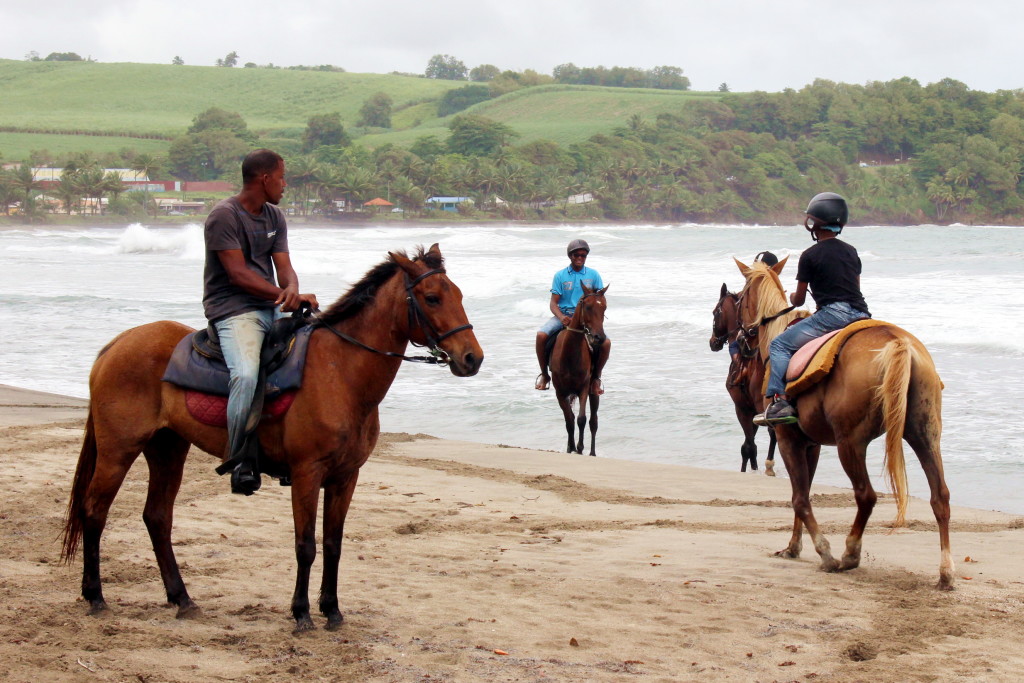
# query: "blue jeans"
[830,317]
[554,324]
[241,339]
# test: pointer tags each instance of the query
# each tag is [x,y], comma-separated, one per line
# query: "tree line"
[899,151]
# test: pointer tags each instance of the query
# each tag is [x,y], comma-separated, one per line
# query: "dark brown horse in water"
[882,382]
[572,365]
[744,379]
[321,442]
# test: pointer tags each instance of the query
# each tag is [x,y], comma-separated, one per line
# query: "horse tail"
[83,477]
[895,361]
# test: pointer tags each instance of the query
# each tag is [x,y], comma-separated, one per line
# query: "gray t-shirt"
[230,226]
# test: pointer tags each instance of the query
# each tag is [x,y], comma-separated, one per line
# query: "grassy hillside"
[163,99]
[562,113]
[49,105]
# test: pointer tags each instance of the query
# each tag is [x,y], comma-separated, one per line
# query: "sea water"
[66,292]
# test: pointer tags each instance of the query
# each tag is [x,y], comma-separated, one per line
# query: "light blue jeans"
[241,339]
[827,318]
[554,324]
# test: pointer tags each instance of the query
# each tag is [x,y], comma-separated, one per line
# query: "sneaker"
[780,412]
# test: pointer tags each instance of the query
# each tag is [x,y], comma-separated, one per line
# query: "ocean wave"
[186,241]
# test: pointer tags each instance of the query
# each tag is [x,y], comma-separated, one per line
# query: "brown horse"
[321,442]
[743,381]
[572,365]
[882,382]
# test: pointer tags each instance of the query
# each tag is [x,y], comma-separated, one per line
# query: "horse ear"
[604,289]
[743,269]
[779,266]
[403,261]
[587,290]
[435,248]
[725,290]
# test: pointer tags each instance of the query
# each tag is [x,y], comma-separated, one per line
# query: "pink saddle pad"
[213,410]
[798,363]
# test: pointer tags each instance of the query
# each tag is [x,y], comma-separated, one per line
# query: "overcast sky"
[748,44]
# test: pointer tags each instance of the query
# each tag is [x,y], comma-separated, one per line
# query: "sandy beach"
[468,562]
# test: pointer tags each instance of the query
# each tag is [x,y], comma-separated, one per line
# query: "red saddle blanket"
[212,410]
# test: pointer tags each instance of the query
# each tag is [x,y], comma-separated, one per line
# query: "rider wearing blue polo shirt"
[566,291]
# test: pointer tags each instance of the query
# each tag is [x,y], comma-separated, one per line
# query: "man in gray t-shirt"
[246,246]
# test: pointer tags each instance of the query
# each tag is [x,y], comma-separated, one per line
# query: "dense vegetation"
[900,151]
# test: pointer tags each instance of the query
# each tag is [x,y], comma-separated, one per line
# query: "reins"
[417,317]
[585,331]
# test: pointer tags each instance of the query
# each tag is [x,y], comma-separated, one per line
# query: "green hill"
[89,106]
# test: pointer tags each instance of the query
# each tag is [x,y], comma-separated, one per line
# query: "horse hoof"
[787,554]
[830,566]
[303,624]
[945,583]
[98,609]
[849,563]
[189,611]
[334,622]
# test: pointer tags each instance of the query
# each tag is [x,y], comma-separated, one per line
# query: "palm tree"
[93,184]
[24,179]
[146,165]
[114,184]
[302,173]
[68,191]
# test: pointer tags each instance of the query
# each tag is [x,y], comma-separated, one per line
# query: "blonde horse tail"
[895,361]
[83,477]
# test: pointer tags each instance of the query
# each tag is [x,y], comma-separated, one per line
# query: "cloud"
[750,44]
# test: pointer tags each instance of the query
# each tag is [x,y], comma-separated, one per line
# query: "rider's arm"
[798,297]
[556,311]
[289,299]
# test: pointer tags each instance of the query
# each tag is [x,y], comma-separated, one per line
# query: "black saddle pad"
[197,364]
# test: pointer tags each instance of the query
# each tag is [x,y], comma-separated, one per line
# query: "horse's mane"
[771,298]
[362,293]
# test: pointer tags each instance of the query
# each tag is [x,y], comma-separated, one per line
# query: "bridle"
[724,337]
[748,332]
[417,319]
[585,331]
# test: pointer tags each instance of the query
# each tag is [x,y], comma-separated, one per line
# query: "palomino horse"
[321,442]
[743,381]
[572,364]
[883,381]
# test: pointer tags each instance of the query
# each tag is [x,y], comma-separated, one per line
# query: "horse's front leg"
[305,496]
[581,418]
[801,458]
[595,401]
[337,499]
[565,403]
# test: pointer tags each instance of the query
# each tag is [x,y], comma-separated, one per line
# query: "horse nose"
[471,363]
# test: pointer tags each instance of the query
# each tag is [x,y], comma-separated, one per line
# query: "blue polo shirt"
[568,284]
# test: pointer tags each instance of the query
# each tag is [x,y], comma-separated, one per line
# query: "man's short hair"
[258,162]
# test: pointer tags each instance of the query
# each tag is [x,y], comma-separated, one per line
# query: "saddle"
[814,360]
[197,365]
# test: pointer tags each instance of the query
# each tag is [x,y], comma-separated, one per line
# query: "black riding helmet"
[577,244]
[767,258]
[827,210]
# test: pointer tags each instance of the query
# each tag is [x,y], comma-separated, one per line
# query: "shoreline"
[466,561]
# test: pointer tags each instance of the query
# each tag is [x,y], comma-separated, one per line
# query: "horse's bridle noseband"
[417,318]
[585,331]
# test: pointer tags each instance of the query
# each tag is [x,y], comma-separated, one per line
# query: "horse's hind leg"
[852,456]
[165,455]
[927,450]
[106,480]
[595,402]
